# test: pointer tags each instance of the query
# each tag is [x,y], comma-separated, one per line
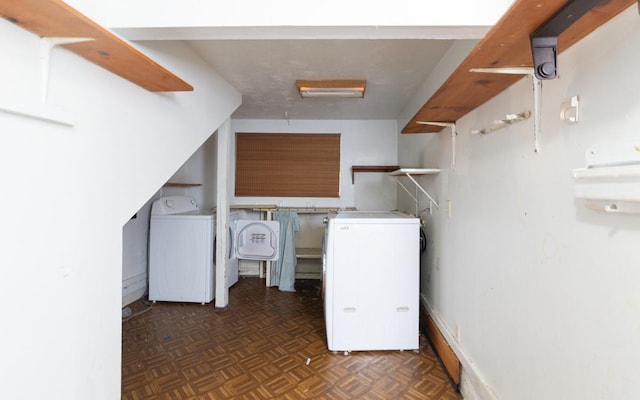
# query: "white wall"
[538,295]
[361,143]
[66,194]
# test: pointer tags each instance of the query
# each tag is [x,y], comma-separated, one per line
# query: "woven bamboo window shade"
[287,165]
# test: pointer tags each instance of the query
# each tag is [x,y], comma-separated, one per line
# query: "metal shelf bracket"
[454,133]
[46,46]
[409,172]
[537,89]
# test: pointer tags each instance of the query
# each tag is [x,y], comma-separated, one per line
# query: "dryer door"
[257,240]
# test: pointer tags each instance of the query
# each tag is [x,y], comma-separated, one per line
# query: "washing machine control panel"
[174,205]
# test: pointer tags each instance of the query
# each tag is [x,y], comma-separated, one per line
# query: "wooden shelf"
[180,184]
[371,168]
[308,253]
[54,18]
[505,45]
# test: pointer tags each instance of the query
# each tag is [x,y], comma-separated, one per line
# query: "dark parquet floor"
[266,345]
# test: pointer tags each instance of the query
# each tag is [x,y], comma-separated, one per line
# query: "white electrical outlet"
[447,209]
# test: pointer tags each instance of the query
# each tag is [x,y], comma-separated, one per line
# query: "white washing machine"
[182,252]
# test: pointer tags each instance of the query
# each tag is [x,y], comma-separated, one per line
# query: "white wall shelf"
[609,189]
[410,173]
[611,181]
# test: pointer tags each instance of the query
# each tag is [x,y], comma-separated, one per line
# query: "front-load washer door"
[257,240]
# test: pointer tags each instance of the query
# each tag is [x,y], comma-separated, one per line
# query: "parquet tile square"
[267,344]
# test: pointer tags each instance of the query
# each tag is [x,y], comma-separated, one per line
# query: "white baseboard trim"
[133,288]
[472,386]
[133,296]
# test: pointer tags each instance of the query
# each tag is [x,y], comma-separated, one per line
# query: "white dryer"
[182,252]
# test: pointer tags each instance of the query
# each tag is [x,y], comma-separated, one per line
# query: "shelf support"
[537,89]
[42,111]
[408,172]
[454,133]
[46,46]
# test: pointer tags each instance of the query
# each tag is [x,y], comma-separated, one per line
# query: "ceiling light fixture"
[332,88]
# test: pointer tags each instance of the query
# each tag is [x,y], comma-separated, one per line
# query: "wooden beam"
[505,45]
[54,18]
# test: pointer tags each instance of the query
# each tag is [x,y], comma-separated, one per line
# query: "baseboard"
[445,352]
[133,288]
[472,385]
[133,296]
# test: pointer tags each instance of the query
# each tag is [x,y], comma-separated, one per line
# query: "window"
[287,165]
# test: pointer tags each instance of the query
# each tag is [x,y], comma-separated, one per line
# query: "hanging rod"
[498,124]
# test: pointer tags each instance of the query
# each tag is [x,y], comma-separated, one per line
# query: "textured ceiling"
[265,71]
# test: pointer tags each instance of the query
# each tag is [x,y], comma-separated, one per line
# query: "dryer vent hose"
[423,241]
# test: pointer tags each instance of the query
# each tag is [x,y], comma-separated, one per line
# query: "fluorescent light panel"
[331,88]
